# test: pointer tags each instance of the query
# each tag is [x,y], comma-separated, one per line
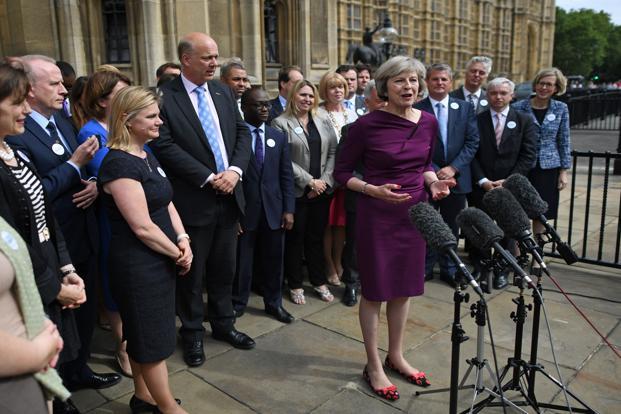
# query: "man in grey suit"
[204,146]
[456,145]
[477,70]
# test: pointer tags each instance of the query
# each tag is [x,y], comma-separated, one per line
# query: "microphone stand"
[457,337]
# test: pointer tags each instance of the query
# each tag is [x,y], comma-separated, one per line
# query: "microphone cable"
[560,289]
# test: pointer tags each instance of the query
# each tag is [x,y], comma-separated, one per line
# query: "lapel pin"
[551,117]
[483,102]
[298,130]
[270,143]
[454,105]
[360,111]
[511,124]
[58,149]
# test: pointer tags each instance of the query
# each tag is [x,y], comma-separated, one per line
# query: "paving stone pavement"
[314,365]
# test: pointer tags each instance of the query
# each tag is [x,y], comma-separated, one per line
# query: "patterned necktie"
[258,147]
[51,128]
[442,124]
[208,124]
[471,100]
[347,104]
[498,129]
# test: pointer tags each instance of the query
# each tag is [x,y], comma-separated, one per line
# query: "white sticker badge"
[483,102]
[454,105]
[298,130]
[58,149]
[360,111]
[161,171]
[9,240]
[551,117]
[270,143]
[511,124]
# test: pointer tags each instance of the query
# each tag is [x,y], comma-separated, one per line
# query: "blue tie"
[442,124]
[258,148]
[204,114]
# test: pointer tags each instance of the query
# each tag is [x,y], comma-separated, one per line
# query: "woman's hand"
[185,259]
[385,192]
[318,186]
[47,346]
[562,180]
[441,188]
[71,296]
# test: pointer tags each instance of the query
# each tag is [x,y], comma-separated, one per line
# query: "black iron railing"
[593,227]
[596,111]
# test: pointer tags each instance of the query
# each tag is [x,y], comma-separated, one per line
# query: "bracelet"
[432,183]
[364,188]
[183,236]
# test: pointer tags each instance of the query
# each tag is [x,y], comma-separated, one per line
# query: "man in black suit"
[352,101]
[233,73]
[270,204]
[287,77]
[508,145]
[49,142]
[456,145]
[204,145]
[477,70]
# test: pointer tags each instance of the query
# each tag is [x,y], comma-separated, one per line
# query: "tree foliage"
[586,42]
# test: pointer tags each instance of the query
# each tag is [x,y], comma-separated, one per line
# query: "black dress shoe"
[279,313]
[64,407]
[237,339]
[350,297]
[500,281]
[139,406]
[95,381]
[193,354]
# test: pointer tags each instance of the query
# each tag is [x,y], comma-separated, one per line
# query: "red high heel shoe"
[388,393]
[417,379]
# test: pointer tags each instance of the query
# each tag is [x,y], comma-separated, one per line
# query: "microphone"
[438,236]
[510,216]
[535,207]
[484,234]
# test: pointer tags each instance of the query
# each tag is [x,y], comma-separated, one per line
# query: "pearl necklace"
[7,153]
[335,124]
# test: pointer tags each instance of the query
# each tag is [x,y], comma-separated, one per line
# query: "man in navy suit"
[49,142]
[477,70]
[287,77]
[270,204]
[456,145]
[352,101]
[204,146]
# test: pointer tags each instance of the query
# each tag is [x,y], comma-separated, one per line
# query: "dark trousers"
[260,251]
[449,208]
[350,253]
[305,239]
[214,247]
[85,318]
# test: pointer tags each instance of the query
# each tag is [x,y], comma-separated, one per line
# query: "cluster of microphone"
[511,206]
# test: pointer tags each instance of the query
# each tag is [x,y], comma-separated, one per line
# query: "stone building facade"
[139,35]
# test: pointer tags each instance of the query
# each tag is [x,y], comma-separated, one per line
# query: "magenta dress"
[391,252]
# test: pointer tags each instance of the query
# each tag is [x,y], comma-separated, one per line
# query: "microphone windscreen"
[526,195]
[479,228]
[430,224]
[507,212]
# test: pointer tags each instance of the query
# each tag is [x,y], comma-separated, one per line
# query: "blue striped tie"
[204,114]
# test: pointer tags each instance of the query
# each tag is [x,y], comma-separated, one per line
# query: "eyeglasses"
[546,84]
[259,105]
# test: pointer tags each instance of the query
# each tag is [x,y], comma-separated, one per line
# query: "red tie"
[498,129]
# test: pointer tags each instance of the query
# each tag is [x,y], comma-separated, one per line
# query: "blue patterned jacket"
[553,144]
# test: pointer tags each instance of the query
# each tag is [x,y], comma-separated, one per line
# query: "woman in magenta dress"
[395,145]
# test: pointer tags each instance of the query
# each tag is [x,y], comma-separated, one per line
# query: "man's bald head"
[198,55]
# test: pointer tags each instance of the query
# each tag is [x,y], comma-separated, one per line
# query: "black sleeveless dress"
[142,281]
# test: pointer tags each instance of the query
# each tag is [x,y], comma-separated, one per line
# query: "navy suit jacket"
[462,140]
[275,110]
[269,189]
[61,181]
[184,152]
[459,94]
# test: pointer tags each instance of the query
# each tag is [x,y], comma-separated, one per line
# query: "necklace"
[146,160]
[335,124]
[7,153]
